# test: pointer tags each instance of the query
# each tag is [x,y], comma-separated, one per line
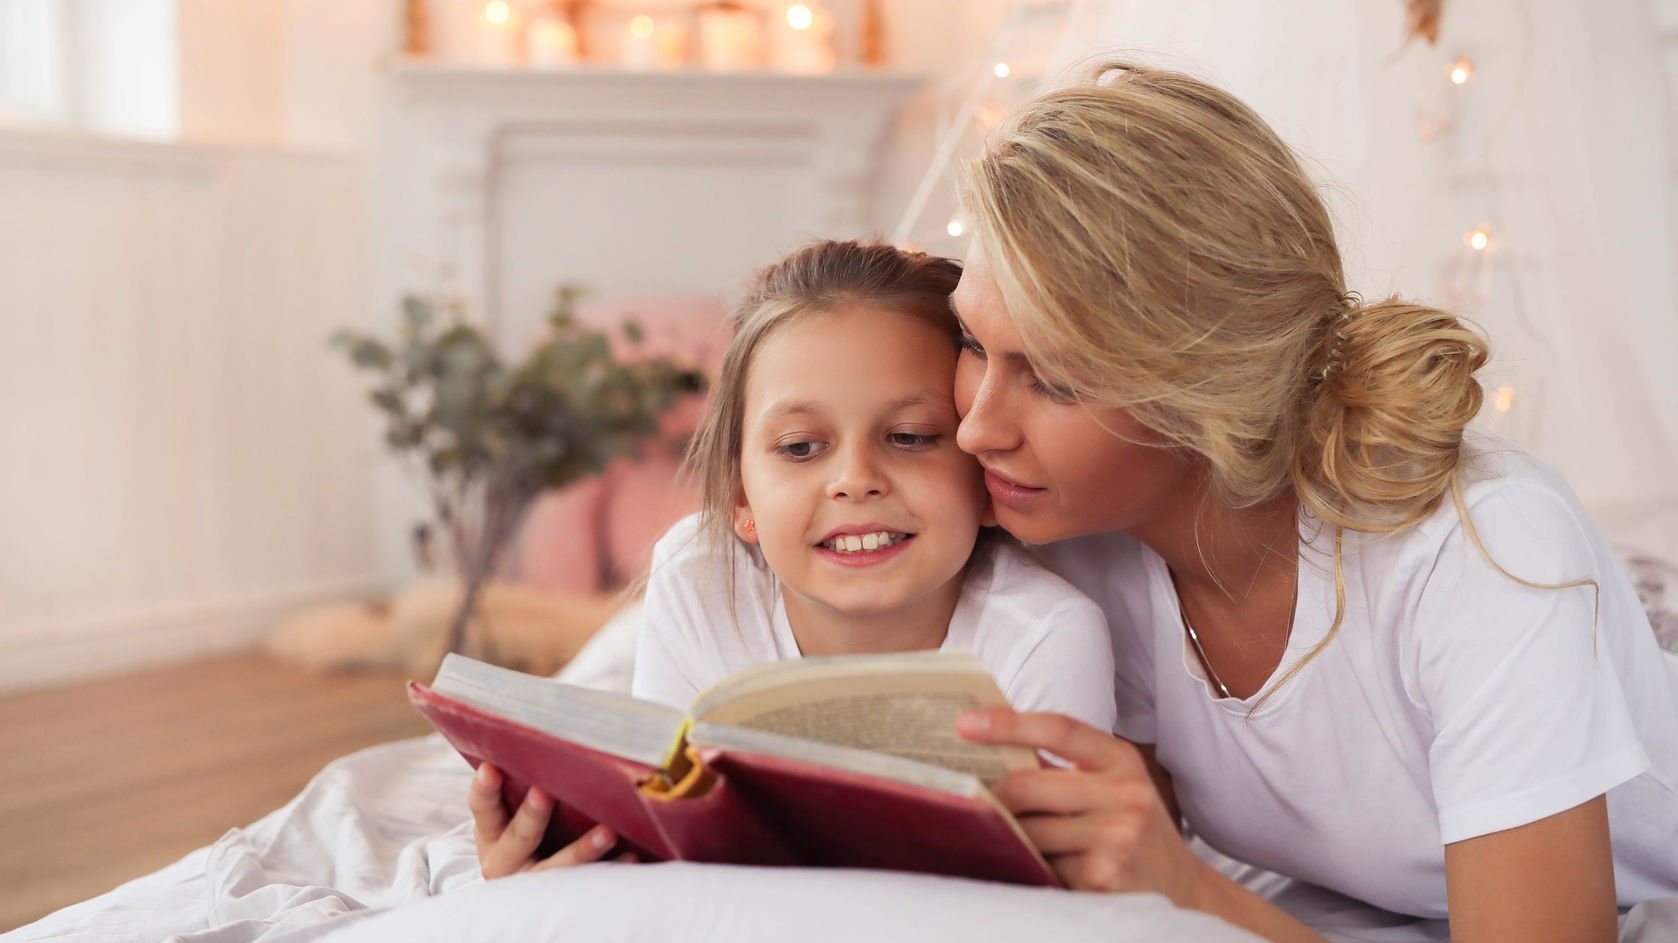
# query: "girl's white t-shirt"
[1452,703]
[1046,643]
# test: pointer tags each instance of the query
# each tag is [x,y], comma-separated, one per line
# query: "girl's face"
[862,502]
[1054,468]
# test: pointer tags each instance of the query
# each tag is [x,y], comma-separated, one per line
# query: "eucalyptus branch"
[489,437]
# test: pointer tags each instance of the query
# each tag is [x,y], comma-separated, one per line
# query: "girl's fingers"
[489,813]
[513,850]
[1084,746]
[592,846]
[529,823]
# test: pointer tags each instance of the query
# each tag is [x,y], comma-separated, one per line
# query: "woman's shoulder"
[1513,501]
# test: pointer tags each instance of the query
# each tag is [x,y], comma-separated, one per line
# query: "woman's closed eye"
[967,344]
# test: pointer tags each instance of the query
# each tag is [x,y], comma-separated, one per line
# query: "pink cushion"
[598,534]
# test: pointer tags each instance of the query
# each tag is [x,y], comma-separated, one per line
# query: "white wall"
[179,466]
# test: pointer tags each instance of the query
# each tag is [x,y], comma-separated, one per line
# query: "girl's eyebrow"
[805,407]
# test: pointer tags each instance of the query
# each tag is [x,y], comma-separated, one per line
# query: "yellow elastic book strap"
[688,781]
[674,759]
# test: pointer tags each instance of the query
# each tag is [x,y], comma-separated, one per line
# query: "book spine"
[716,825]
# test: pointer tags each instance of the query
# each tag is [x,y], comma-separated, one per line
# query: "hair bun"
[1396,390]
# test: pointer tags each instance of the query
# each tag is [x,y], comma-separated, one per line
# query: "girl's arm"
[1551,880]
[1104,825]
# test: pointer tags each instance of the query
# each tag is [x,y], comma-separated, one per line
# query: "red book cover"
[590,787]
[832,817]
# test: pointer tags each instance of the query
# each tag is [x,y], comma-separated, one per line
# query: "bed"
[378,846]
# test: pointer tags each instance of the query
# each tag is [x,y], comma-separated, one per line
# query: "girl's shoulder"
[1109,568]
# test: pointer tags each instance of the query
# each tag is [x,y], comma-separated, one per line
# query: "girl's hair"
[1162,250]
[820,278]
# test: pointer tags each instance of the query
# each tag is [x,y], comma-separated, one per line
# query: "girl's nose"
[858,475]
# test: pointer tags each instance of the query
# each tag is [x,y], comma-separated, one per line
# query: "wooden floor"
[104,781]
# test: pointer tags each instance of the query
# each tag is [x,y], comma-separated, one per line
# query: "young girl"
[839,516]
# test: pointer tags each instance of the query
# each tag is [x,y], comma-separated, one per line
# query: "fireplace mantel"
[465,155]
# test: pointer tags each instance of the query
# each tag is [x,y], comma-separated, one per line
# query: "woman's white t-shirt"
[1046,643]
[1452,703]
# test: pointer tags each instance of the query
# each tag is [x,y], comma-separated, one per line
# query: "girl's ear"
[745,526]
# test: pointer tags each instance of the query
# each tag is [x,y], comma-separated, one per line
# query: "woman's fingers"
[1084,746]
[591,846]
[1069,792]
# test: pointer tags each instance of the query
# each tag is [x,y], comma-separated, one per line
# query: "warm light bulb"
[1503,399]
[641,26]
[1478,239]
[497,11]
[799,17]
[1001,70]
[955,228]
[1461,71]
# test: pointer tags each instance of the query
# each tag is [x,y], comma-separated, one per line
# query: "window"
[106,66]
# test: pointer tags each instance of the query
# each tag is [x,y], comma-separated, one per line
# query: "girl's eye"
[967,344]
[912,440]
[799,451]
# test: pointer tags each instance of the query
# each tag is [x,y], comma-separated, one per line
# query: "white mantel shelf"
[603,88]
[449,134]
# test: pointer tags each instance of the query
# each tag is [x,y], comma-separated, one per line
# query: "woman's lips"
[1010,493]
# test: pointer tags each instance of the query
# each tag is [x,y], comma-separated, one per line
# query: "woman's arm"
[1104,826]
[1551,880]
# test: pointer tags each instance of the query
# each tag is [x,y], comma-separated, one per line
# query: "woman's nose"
[985,426]
[858,474]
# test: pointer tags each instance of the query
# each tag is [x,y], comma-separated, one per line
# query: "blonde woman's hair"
[1161,250]
[820,278]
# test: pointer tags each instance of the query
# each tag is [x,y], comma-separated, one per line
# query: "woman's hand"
[507,843]
[1101,824]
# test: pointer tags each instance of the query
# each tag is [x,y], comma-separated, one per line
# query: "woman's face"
[1054,468]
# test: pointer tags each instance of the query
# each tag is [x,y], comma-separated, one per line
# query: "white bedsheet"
[378,847]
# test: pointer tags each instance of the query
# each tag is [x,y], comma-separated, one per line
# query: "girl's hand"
[1101,824]
[507,843]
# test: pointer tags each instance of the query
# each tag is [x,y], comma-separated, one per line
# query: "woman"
[1355,645]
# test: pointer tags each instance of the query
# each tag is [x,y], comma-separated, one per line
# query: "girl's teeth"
[851,543]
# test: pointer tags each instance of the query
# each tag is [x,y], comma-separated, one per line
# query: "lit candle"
[730,36]
[495,33]
[552,42]
[639,49]
[801,39]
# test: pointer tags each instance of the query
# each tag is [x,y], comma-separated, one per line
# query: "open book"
[847,761]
